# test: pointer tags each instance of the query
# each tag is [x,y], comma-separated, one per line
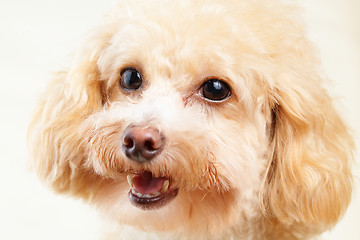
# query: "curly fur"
[270,162]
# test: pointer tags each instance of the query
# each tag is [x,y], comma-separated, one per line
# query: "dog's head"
[198,114]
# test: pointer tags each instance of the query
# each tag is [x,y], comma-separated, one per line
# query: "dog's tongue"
[145,183]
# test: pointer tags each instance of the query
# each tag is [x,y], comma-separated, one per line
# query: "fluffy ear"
[53,133]
[309,181]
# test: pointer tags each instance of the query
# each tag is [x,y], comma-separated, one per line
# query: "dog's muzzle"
[142,144]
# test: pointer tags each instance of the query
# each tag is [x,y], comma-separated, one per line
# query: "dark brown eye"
[215,90]
[130,79]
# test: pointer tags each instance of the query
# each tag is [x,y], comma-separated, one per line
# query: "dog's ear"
[309,179]
[53,133]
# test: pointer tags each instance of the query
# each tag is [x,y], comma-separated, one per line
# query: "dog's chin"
[148,192]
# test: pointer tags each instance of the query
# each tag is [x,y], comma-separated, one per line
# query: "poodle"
[197,119]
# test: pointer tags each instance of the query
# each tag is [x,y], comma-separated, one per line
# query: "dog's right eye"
[130,79]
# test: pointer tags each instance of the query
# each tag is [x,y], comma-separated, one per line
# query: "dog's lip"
[154,202]
[149,192]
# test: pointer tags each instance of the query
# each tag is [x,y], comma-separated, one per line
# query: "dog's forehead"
[176,42]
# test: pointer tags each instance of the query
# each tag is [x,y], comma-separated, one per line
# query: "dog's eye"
[130,79]
[215,90]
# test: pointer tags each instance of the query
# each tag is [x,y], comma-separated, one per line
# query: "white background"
[36,38]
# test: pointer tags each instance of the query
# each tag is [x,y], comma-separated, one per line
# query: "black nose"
[142,144]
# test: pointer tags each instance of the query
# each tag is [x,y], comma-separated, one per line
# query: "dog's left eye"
[130,79]
[215,90]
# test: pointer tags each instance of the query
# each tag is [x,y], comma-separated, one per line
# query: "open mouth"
[149,192]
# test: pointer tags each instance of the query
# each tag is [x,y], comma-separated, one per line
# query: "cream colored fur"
[270,162]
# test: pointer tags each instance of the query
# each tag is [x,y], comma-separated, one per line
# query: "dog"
[204,119]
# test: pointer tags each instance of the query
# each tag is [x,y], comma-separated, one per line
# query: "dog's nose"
[142,144]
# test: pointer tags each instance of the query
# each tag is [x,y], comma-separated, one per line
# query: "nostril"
[128,142]
[150,145]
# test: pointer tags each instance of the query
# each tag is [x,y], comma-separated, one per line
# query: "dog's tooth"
[155,194]
[165,186]
[130,181]
[139,194]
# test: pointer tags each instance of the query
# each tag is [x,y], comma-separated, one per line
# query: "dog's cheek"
[101,140]
[240,150]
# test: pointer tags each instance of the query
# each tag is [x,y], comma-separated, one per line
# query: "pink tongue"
[145,183]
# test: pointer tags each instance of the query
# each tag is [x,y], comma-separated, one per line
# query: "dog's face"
[203,116]
[178,113]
